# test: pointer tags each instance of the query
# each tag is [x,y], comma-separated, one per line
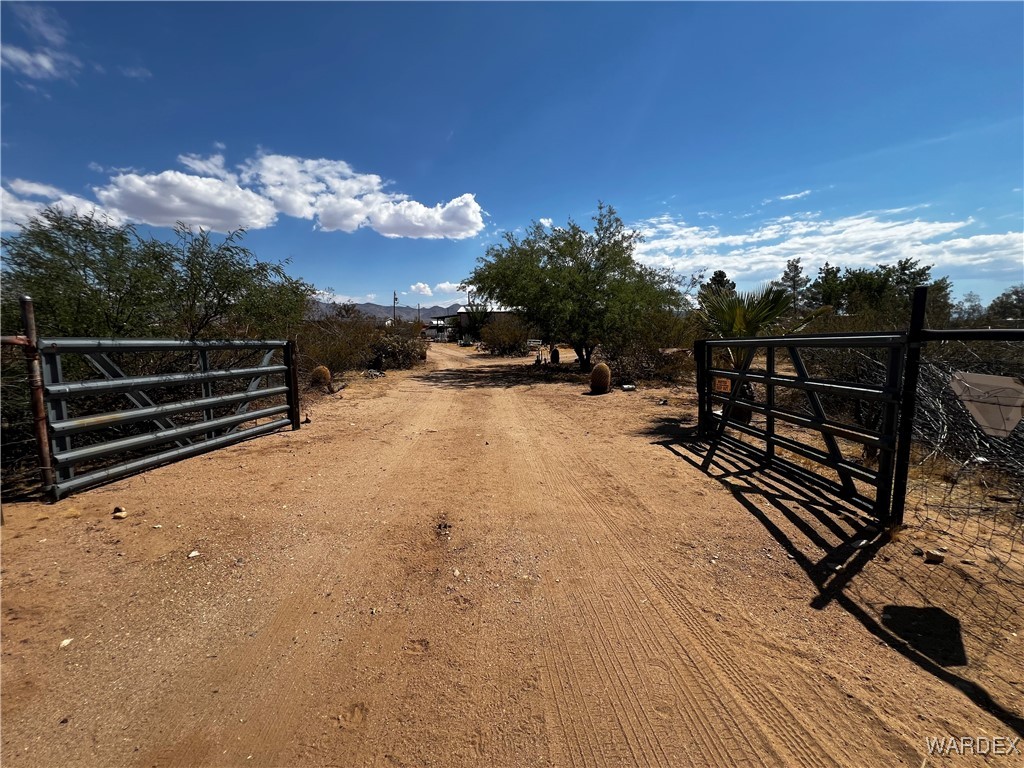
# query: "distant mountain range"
[323,308]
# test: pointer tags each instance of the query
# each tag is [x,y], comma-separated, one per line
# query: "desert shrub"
[506,335]
[656,347]
[395,349]
[342,341]
[600,379]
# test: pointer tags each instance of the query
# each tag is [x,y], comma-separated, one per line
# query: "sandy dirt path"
[447,567]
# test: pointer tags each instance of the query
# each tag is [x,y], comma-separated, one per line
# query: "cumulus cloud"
[212,166]
[336,197]
[421,289]
[449,287]
[457,219]
[162,199]
[546,222]
[328,192]
[17,208]
[863,240]
[34,189]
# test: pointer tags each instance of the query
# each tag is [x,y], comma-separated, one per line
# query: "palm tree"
[730,315]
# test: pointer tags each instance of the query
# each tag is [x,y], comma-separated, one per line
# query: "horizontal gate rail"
[138,465]
[149,345]
[824,426]
[862,473]
[823,386]
[163,436]
[88,423]
[130,383]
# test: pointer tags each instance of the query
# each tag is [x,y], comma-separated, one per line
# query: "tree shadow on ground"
[501,375]
[930,638]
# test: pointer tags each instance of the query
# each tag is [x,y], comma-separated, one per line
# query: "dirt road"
[447,567]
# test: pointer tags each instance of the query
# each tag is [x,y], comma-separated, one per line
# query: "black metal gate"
[821,432]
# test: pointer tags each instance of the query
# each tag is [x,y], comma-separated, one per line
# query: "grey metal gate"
[87,436]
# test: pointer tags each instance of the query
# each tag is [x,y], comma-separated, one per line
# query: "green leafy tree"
[575,285]
[86,276]
[91,277]
[969,310]
[719,282]
[795,283]
[477,316]
[880,298]
[1007,309]
[827,288]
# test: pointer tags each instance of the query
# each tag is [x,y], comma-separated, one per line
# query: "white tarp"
[995,402]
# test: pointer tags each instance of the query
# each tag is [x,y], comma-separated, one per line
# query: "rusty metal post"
[35,383]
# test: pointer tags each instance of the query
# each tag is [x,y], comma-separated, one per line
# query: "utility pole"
[394,310]
[417,313]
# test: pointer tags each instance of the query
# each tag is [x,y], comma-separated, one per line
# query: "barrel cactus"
[601,379]
[320,377]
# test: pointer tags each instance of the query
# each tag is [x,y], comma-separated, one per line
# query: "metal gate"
[228,391]
[824,438]
[876,481]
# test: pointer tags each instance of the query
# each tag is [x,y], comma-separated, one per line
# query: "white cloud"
[42,23]
[449,287]
[328,192]
[16,210]
[34,189]
[344,298]
[863,240]
[421,288]
[796,195]
[42,64]
[212,166]
[336,197]
[545,222]
[457,219]
[49,59]
[162,199]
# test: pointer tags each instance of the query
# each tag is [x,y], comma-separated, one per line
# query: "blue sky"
[383,146]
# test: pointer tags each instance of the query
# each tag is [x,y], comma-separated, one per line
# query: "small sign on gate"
[718,384]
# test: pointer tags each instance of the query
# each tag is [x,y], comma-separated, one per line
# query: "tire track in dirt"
[790,734]
[617,632]
[278,663]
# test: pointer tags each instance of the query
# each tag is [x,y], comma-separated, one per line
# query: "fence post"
[770,403]
[291,360]
[35,383]
[699,347]
[908,401]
